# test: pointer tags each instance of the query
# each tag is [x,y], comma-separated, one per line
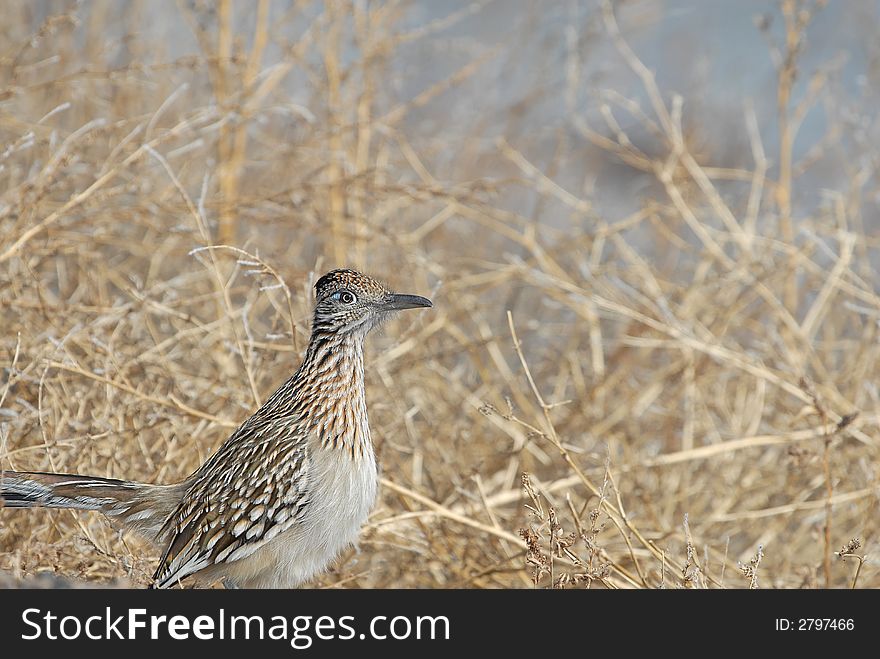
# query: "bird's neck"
[330,392]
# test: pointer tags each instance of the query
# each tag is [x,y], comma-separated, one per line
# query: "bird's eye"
[345,297]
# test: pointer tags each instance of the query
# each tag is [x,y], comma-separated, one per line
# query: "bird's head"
[351,303]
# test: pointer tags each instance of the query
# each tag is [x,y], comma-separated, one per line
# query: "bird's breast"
[343,492]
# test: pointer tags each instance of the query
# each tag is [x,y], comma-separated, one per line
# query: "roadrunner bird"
[287,491]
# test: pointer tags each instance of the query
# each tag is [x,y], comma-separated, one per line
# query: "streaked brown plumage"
[287,491]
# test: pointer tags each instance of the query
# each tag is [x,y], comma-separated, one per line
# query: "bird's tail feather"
[22,489]
[140,506]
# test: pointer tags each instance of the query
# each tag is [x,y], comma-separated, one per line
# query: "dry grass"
[691,387]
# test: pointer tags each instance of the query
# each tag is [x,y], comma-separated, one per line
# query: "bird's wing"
[252,489]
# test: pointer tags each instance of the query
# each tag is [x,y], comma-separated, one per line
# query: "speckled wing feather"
[252,489]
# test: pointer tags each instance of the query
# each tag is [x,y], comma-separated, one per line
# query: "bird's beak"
[398,301]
